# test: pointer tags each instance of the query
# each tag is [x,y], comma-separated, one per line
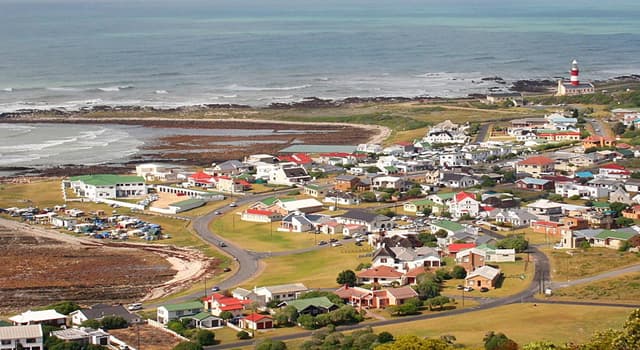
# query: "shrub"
[204,337]
[187,345]
[243,335]
[458,272]
[113,322]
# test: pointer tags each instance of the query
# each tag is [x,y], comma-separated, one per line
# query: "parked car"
[322,243]
[216,212]
[134,307]
[336,244]
[234,204]
[359,244]
[484,289]
[468,289]
[222,244]
[226,269]
[215,289]
[333,240]
[459,287]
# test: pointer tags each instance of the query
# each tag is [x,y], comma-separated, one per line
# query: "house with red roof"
[614,171]
[302,159]
[260,215]
[376,299]
[218,303]
[547,227]
[455,248]
[595,141]
[464,203]
[256,322]
[382,275]
[201,179]
[536,166]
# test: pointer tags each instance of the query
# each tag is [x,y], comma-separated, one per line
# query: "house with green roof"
[615,239]
[185,205]
[451,227]
[311,306]
[170,312]
[107,186]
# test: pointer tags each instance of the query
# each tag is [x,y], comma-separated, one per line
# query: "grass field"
[533,237]
[316,269]
[579,263]
[623,289]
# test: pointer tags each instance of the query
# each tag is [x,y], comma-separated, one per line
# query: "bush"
[347,277]
[242,335]
[204,337]
[187,345]
[64,307]
[113,322]
[458,272]
[270,344]
[176,326]
[95,324]
[516,242]
[385,337]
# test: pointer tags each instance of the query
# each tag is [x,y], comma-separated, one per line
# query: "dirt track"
[42,266]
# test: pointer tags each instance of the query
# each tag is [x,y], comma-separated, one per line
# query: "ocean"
[77,53]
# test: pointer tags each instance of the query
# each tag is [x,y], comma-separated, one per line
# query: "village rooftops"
[286,288]
[621,235]
[302,304]
[486,271]
[107,179]
[537,160]
[21,332]
[448,225]
[361,215]
[380,271]
[402,292]
[37,316]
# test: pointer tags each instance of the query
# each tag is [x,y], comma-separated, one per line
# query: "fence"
[119,203]
[159,325]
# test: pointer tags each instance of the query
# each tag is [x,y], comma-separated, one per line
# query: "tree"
[65,307]
[307,321]
[113,322]
[458,272]
[385,337]
[619,128]
[412,342]
[441,233]
[517,242]
[509,177]
[242,335]
[439,301]
[270,344]
[618,207]
[443,275]
[286,316]
[362,266]
[176,326]
[95,324]
[347,277]
[226,315]
[427,289]
[624,222]
[635,175]
[368,197]
[498,341]
[187,345]
[409,307]
[428,239]
[541,345]
[555,198]
[630,335]
[414,192]
[204,337]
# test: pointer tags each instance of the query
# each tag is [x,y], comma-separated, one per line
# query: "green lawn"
[579,263]
[623,289]
[316,269]
[44,194]
[533,237]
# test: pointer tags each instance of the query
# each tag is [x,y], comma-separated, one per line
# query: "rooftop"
[318,149]
[302,304]
[107,179]
[184,306]
[20,332]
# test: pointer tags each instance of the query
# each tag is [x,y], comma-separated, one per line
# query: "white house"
[570,189]
[108,186]
[25,337]
[388,182]
[158,172]
[281,292]
[404,259]
[373,222]
[464,203]
[48,317]
[288,174]
[166,313]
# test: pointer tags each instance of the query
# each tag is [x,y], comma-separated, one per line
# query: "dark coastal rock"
[533,85]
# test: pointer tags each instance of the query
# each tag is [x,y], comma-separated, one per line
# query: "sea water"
[78,53]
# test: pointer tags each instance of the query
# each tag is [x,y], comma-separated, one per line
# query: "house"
[170,312]
[201,179]
[483,277]
[471,259]
[46,317]
[500,200]
[615,239]
[613,171]
[534,184]
[101,186]
[218,303]
[558,135]
[204,320]
[545,208]
[230,167]
[620,195]
[309,205]
[388,183]
[346,182]
[514,98]
[493,254]
[376,299]
[98,311]
[281,292]
[516,218]
[341,198]
[315,190]
[27,337]
[403,259]
[398,296]
[536,166]
[382,275]
[450,227]
[83,336]
[455,248]
[373,222]
[632,212]
[260,215]
[464,204]
[256,322]
[632,185]
[230,185]
[158,172]
[311,306]
[298,158]
[595,141]
[457,180]
[547,227]
[288,174]
[418,206]
[570,189]
[300,222]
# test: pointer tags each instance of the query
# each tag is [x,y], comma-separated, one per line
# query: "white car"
[336,244]
[134,307]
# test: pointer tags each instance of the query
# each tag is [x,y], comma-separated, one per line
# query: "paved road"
[481,136]
[598,127]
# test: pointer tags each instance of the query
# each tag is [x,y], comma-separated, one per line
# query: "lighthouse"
[574,73]
[573,86]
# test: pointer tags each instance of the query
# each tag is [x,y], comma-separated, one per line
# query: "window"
[383,260]
[6,342]
[31,340]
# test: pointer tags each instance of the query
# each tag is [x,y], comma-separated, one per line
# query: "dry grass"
[579,263]
[623,289]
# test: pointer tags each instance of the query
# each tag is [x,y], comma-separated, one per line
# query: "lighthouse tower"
[574,73]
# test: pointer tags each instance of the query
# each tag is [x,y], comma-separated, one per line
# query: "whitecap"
[237,87]
[160,92]
[7,89]
[63,89]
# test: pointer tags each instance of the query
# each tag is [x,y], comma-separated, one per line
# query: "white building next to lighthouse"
[574,87]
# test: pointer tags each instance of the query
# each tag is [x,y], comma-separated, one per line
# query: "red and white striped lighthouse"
[574,73]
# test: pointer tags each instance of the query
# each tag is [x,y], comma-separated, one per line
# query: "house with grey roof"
[83,336]
[281,292]
[514,217]
[373,222]
[99,311]
[483,277]
[302,222]
[403,259]
[457,180]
